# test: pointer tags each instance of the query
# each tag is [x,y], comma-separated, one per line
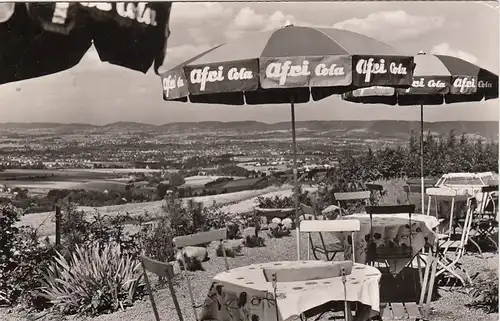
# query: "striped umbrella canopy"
[43,38]
[291,63]
[437,79]
[287,65]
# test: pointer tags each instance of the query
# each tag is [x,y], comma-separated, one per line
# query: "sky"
[99,93]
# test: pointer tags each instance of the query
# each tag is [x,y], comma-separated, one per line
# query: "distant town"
[132,162]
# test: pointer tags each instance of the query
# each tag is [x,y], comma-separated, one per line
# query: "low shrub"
[251,237]
[485,292]
[95,280]
[23,258]
[156,240]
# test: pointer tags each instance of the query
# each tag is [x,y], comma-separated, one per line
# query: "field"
[40,181]
[245,202]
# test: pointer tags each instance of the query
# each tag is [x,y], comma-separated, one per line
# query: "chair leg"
[151,297]
[174,298]
[190,290]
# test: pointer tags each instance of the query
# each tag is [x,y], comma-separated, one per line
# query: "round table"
[389,230]
[245,294]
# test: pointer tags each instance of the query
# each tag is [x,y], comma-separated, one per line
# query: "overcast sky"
[99,93]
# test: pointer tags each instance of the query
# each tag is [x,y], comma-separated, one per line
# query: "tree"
[176,180]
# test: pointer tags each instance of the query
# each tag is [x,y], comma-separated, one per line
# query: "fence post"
[58,225]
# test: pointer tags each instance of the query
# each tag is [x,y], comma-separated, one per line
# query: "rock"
[249,231]
[193,256]
[287,222]
[276,220]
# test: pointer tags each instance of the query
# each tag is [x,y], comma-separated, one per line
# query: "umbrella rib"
[338,44]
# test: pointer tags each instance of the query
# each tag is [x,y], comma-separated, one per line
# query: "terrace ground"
[449,306]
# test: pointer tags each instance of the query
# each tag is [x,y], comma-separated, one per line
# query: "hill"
[376,128]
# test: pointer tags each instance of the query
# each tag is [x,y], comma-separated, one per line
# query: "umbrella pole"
[422,183]
[295,180]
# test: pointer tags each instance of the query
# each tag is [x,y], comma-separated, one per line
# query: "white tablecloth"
[244,293]
[390,230]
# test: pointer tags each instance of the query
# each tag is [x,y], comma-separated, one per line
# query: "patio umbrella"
[287,65]
[38,39]
[437,79]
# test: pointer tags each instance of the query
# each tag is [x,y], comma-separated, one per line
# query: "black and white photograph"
[249,161]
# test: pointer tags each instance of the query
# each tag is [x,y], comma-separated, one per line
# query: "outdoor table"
[389,230]
[245,294]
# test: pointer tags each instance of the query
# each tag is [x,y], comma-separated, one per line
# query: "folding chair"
[329,226]
[397,310]
[161,269]
[415,186]
[384,253]
[375,189]
[484,222]
[439,194]
[449,263]
[197,239]
[363,196]
[345,226]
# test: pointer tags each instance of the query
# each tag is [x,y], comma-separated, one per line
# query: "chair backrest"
[445,192]
[489,189]
[417,181]
[391,209]
[350,225]
[162,269]
[200,238]
[415,188]
[374,187]
[352,196]
[165,270]
[488,199]
[310,226]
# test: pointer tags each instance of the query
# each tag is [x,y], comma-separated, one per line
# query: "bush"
[251,237]
[96,279]
[22,260]
[77,229]
[285,201]
[156,240]
[485,292]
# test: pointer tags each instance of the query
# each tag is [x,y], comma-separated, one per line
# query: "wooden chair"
[485,223]
[161,269]
[415,186]
[399,310]
[450,251]
[352,196]
[351,226]
[319,226]
[390,253]
[194,240]
[375,189]
[442,194]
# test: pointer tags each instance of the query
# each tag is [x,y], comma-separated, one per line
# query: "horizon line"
[253,121]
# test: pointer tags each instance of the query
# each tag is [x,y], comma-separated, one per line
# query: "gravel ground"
[450,306]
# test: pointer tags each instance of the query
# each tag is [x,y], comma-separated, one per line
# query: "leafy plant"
[22,259]
[284,201]
[96,279]
[485,292]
